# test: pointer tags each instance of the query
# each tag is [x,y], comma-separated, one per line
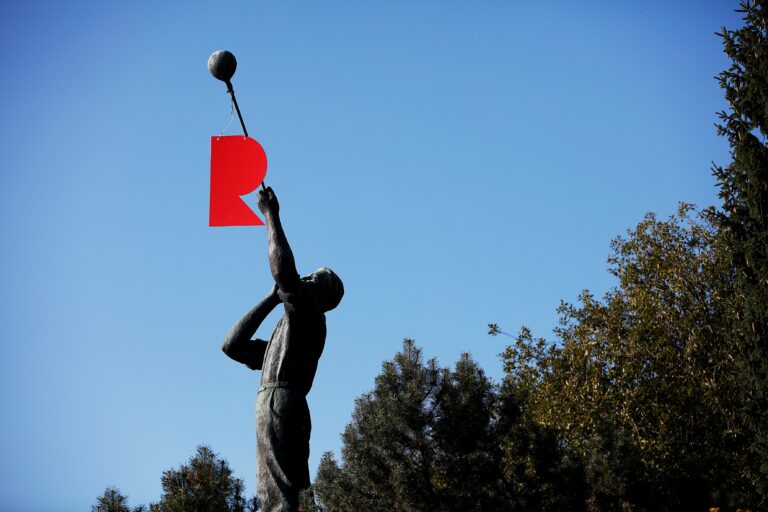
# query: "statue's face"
[326,288]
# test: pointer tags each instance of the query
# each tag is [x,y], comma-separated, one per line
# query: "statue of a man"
[288,362]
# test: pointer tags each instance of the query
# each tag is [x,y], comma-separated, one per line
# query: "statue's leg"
[282,439]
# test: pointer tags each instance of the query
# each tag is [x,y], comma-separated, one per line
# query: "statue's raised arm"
[281,261]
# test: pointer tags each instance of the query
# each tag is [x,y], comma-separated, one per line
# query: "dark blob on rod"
[222,65]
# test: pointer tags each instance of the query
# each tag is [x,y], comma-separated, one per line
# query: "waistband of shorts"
[281,385]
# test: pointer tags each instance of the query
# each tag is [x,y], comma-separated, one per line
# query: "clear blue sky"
[457,163]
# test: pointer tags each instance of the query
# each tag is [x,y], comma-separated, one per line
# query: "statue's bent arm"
[238,344]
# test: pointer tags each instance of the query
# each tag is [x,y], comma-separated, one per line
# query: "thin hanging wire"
[231,116]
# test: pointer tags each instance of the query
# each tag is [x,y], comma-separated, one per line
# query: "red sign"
[238,166]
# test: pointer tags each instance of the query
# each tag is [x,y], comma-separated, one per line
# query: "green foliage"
[744,218]
[388,447]
[640,384]
[204,484]
[113,501]
[307,501]
[430,438]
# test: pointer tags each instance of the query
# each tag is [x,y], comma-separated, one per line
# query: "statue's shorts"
[282,444]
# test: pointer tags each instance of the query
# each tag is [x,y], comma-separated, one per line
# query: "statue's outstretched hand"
[268,201]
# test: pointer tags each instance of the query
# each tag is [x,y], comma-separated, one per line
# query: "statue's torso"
[296,343]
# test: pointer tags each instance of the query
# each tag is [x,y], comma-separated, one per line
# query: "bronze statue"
[288,362]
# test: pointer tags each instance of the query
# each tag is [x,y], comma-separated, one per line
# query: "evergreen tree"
[113,501]
[744,218]
[430,438]
[388,447]
[204,484]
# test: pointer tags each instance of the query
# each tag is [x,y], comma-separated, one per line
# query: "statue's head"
[326,287]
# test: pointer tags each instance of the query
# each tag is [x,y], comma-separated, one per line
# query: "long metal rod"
[231,91]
